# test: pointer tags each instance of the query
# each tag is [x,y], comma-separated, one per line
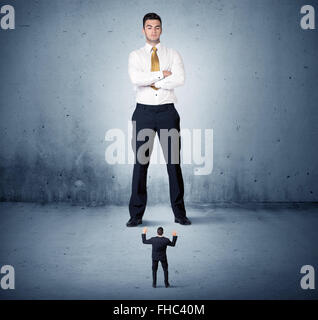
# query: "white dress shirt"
[139,66]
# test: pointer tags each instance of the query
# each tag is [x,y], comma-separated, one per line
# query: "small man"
[159,248]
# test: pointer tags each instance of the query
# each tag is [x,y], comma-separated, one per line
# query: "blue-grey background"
[251,76]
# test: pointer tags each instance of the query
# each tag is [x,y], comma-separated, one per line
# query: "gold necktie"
[155,66]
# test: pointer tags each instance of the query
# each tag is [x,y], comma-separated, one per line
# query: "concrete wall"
[251,76]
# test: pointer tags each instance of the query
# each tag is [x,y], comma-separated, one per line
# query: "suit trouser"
[164,264]
[164,120]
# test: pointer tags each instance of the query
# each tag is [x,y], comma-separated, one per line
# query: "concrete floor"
[232,251]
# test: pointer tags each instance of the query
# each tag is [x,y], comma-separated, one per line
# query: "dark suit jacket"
[159,246]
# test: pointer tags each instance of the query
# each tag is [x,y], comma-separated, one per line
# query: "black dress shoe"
[133,222]
[167,285]
[184,220]
[154,285]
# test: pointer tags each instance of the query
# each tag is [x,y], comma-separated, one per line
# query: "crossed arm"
[160,79]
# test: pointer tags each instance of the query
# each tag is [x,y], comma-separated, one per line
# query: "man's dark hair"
[160,231]
[151,16]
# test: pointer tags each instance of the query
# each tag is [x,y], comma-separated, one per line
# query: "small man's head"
[152,27]
[160,231]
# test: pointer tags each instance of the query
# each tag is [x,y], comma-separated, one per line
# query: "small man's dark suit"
[159,248]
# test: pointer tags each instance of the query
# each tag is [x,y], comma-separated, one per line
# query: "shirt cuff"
[158,75]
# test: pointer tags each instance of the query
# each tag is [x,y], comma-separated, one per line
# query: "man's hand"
[174,233]
[166,73]
[144,230]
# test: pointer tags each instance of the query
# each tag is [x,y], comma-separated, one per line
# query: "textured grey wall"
[251,76]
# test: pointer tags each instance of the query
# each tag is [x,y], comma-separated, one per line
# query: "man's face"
[152,30]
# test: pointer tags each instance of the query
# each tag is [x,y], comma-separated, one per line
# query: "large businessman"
[159,253]
[155,71]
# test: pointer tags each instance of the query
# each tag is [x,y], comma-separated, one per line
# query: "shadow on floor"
[194,220]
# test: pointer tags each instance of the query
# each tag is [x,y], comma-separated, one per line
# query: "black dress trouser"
[156,117]
[164,264]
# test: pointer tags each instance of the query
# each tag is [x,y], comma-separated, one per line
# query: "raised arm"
[177,77]
[144,240]
[174,240]
[139,77]
[143,237]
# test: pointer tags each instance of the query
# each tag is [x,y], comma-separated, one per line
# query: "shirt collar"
[148,46]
